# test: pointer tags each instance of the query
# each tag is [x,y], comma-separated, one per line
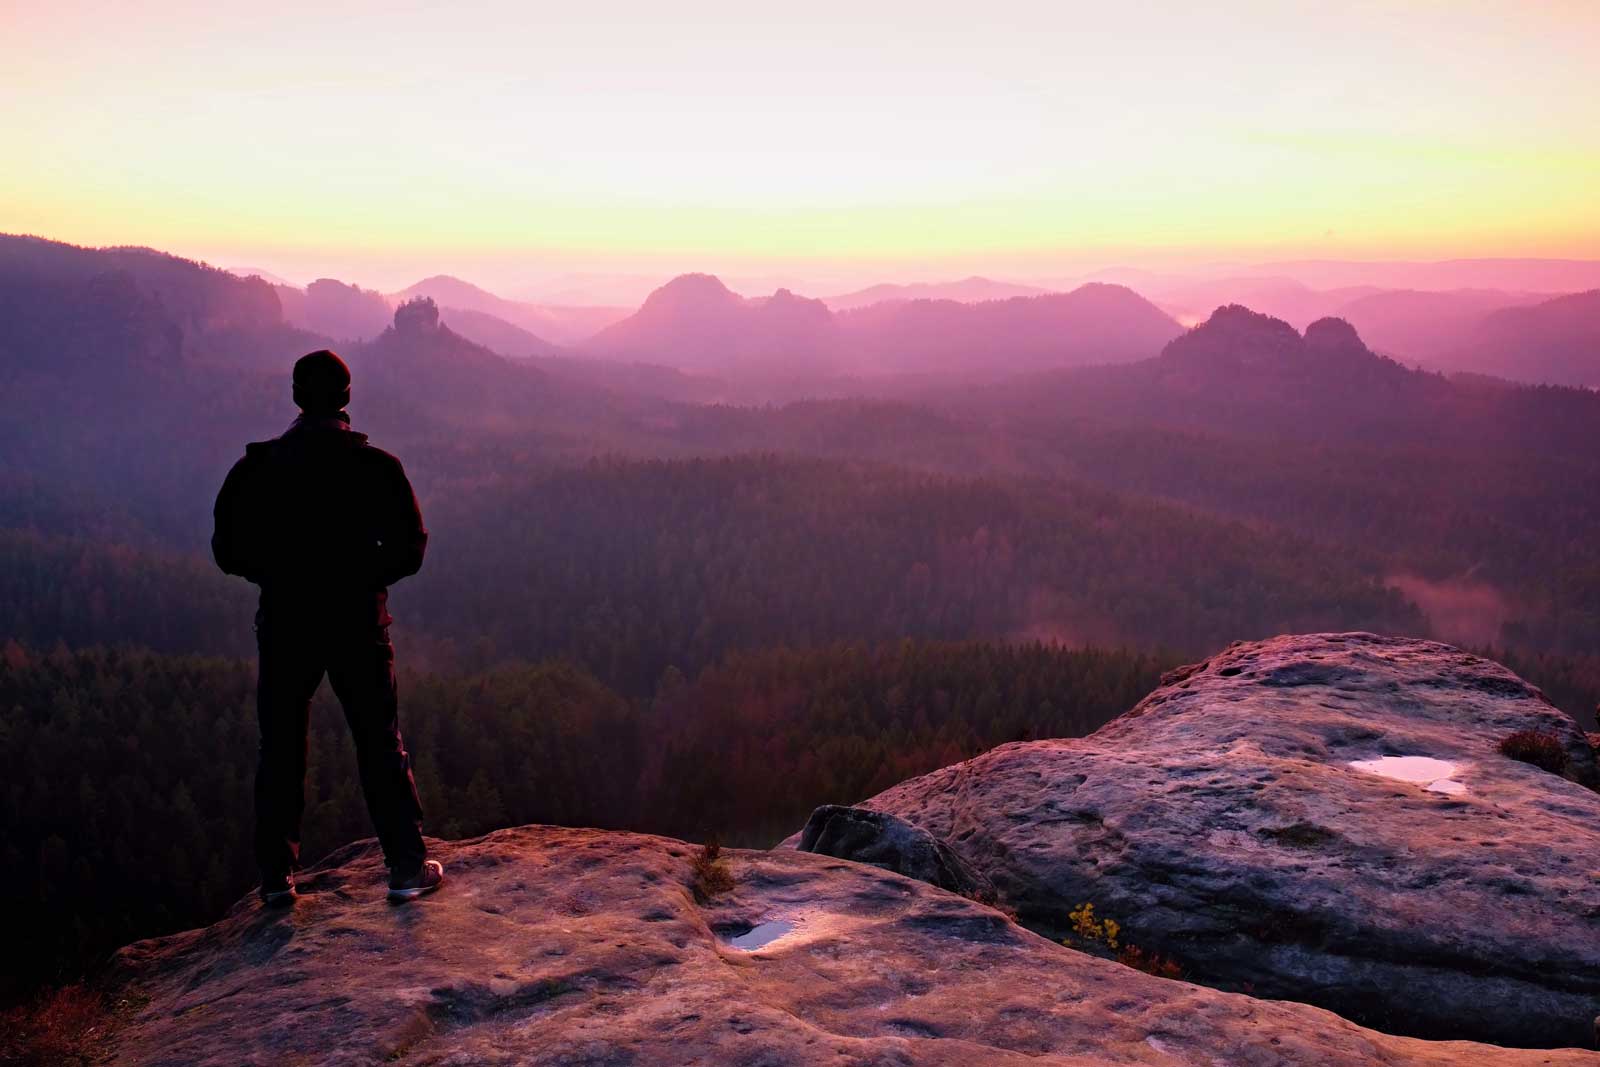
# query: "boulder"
[885,841]
[582,947]
[1321,818]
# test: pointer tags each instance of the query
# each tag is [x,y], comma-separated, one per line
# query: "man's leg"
[362,672]
[290,672]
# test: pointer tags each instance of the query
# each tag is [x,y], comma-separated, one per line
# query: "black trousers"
[298,645]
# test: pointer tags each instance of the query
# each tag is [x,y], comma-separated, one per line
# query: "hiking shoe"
[277,891]
[425,881]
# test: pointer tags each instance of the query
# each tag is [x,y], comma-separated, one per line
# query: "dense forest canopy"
[649,605]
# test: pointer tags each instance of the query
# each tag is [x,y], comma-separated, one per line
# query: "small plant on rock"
[711,875]
[1538,747]
[1149,962]
[1093,930]
[1104,937]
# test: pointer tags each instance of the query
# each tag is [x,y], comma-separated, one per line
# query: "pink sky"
[514,143]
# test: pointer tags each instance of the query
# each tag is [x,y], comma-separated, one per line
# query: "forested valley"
[127,793]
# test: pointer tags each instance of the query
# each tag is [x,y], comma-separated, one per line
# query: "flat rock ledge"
[1245,820]
[577,947]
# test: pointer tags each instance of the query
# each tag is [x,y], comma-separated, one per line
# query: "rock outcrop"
[878,838]
[579,947]
[1321,818]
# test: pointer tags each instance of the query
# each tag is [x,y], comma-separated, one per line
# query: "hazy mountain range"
[1555,341]
[560,324]
[694,322]
[517,328]
[698,324]
[1098,352]
[967,290]
[134,375]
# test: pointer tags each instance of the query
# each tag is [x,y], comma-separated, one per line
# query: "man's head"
[321,383]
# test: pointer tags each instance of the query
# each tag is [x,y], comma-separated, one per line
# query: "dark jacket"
[318,514]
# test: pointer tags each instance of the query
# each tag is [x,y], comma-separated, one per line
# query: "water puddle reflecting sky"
[761,935]
[1435,775]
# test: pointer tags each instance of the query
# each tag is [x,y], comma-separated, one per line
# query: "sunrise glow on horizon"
[379,141]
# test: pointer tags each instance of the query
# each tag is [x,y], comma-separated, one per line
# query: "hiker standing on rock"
[324,523]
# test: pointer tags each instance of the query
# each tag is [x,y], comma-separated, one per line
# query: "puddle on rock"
[1435,775]
[760,935]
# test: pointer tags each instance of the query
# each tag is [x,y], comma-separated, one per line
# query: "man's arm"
[402,539]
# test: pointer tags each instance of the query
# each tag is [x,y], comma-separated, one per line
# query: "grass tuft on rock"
[1538,747]
[710,872]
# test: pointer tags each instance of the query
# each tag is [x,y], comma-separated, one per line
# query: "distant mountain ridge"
[1279,296]
[334,309]
[1555,341]
[1423,325]
[1095,323]
[695,322]
[198,297]
[349,313]
[1434,327]
[1254,377]
[117,360]
[1447,329]
[504,337]
[420,361]
[557,325]
[970,290]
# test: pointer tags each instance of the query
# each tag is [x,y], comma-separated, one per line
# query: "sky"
[518,142]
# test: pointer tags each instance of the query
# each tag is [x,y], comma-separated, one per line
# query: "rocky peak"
[1333,335]
[694,292]
[1236,336]
[417,316]
[1326,818]
[1239,352]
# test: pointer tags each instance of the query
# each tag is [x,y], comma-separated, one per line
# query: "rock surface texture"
[1225,823]
[878,838]
[579,947]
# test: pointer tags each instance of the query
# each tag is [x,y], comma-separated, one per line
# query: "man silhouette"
[324,523]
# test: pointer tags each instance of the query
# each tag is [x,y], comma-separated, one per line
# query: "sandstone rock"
[578,947]
[1223,822]
[895,845]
